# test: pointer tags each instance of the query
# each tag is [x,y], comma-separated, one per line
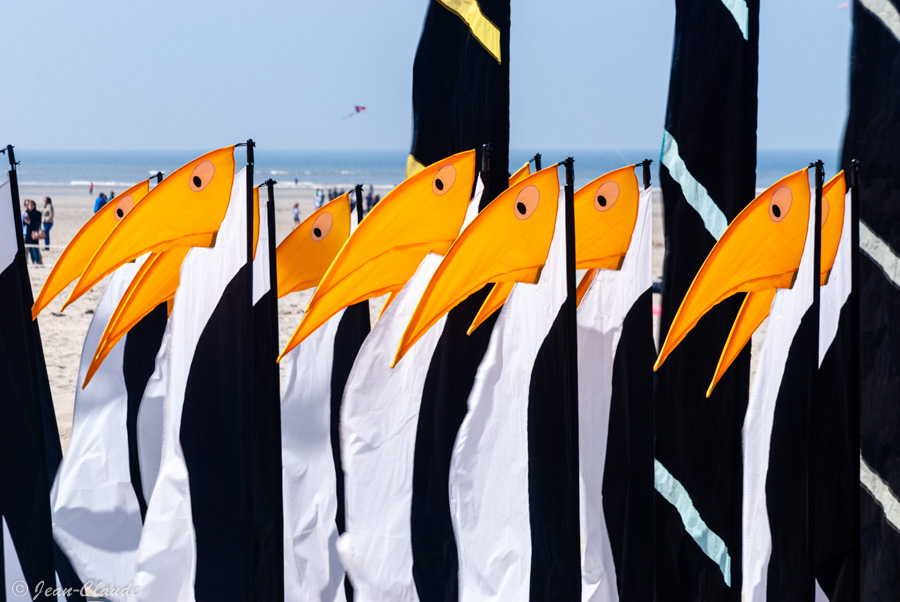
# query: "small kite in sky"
[356,109]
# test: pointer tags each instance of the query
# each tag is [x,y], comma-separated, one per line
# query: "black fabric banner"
[460,102]
[836,469]
[710,145]
[873,128]
[460,91]
[30,450]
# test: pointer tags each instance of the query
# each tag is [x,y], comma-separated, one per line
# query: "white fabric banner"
[379,420]
[167,553]
[788,309]
[837,290]
[601,316]
[489,466]
[8,241]
[312,569]
[379,417]
[96,517]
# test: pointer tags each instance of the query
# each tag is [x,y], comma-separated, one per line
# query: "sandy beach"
[63,333]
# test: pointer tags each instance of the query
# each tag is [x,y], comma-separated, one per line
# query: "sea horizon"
[310,169]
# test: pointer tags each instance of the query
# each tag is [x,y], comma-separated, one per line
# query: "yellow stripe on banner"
[484,31]
[413,166]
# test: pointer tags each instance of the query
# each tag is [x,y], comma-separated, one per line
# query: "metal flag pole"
[485,176]
[273,274]
[249,387]
[646,172]
[359,206]
[572,330]
[813,383]
[537,161]
[855,401]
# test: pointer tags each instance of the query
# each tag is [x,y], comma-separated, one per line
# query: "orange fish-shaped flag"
[78,253]
[758,253]
[156,282]
[507,242]
[184,210]
[422,215]
[304,255]
[755,308]
[605,212]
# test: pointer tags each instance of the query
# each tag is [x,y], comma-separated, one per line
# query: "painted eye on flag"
[123,206]
[202,176]
[606,197]
[321,227]
[527,201]
[780,204]
[443,180]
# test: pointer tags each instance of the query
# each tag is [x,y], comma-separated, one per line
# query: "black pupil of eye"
[439,184]
[120,213]
[317,232]
[197,181]
[521,208]
[776,210]
[601,200]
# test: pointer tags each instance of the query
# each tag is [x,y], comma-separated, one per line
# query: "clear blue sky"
[585,74]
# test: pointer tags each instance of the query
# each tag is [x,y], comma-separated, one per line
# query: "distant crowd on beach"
[36,227]
[322,196]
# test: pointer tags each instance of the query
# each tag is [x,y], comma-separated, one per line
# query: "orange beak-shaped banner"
[304,255]
[155,282]
[497,297]
[184,210]
[521,173]
[755,308]
[422,215]
[760,251]
[605,214]
[507,242]
[84,244]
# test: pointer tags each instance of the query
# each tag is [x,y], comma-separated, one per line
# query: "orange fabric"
[304,255]
[605,214]
[507,242]
[422,215]
[834,195]
[84,244]
[185,209]
[521,173]
[155,282]
[754,310]
[760,250]
[494,301]
[584,285]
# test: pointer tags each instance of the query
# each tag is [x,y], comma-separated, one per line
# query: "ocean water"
[342,169]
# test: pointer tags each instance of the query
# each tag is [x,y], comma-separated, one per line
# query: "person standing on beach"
[99,202]
[112,195]
[47,220]
[91,189]
[295,213]
[33,233]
